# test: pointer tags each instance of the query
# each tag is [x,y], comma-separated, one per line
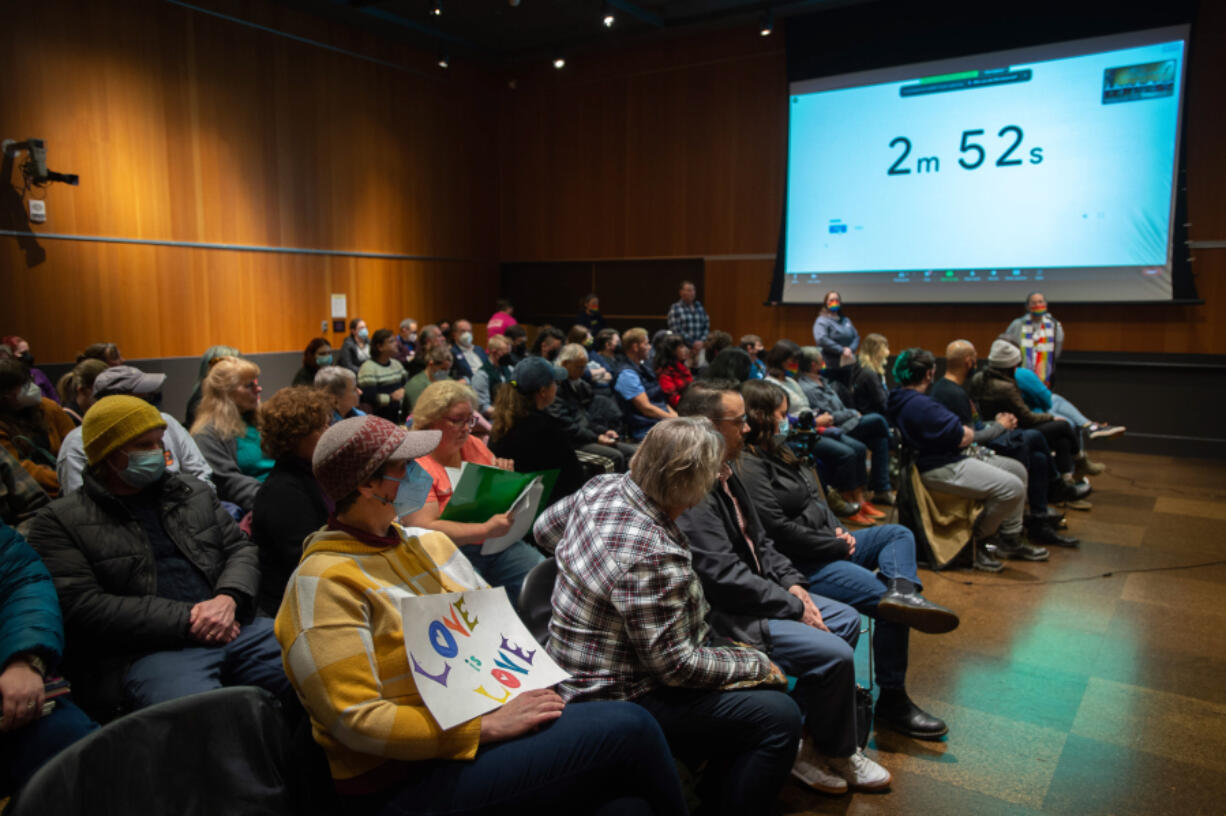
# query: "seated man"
[492,374]
[1002,435]
[589,419]
[156,581]
[468,356]
[182,454]
[629,621]
[637,388]
[760,598]
[945,465]
[342,633]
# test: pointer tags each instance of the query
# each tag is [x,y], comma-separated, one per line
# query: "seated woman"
[873,570]
[290,505]
[342,638]
[669,359]
[21,350]
[860,431]
[1039,397]
[382,378]
[524,433]
[341,386]
[629,621]
[450,407]
[732,364]
[78,388]
[225,430]
[868,386]
[106,352]
[438,368]
[207,361]
[782,362]
[318,354]
[32,427]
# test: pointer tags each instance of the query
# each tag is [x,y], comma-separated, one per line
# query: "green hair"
[912,365]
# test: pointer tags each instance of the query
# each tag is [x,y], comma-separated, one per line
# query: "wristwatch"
[34,662]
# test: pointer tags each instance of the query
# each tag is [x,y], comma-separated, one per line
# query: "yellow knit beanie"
[114,421]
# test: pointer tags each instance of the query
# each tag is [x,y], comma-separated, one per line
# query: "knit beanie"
[351,450]
[1004,354]
[112,422]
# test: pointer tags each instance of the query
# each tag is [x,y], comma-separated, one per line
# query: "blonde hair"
[635,335]
[217,408]
[437,399]
[510,406]
[678,461]
[870,355]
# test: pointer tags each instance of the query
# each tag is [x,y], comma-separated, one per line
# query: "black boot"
[1015,547]
[1042,531]
[895,709]
[903,604]
[985,558]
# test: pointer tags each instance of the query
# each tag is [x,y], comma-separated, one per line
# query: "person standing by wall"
[1040,337]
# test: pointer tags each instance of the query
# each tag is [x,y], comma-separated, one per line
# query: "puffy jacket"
[995,391]
[106,576]
[29,611]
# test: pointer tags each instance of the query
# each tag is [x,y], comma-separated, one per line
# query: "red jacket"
[673,380]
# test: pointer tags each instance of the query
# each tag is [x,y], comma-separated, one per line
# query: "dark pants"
[890,549]
[749,739]
[24,751]
[251,659]
[1029,446]
[874,432]
[1064,441]
[843,460]
[605,757]
[507,568]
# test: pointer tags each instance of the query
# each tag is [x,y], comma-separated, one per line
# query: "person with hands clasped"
[342,632]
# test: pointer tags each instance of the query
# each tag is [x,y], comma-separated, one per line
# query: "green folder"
[484,492]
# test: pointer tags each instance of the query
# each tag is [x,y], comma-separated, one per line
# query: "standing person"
[406,341]
[494,372]
[834,332]
[356,348]
[341,632]
[207,361]
[32,427]
[629,622]
[227,433]
[869,390]
[1040,337]
[501,319]
[589,314]
[317,355]
[670,362]
[687,318]
[468,356]
[382,378]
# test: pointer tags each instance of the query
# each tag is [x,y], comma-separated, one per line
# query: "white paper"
[523,509]
[470,653]
[340,307]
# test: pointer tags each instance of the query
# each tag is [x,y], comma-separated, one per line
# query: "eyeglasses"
[737,420]
[460,422]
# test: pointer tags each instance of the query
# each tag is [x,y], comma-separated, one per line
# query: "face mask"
[154,399]
[466,338]
[439,376]
[29,396]
[553,355]
[323,360]
[413,491]
[27,359]
[144,468]
[412,337]
[364,334]
[781,432]
[834,305]
[587,342]
[1039,312]
[792,367]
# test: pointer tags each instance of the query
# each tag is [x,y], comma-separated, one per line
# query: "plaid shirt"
[691,322]
[20,496]
[628,609]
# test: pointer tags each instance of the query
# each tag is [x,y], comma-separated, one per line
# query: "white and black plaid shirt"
[628,609]
[689,320]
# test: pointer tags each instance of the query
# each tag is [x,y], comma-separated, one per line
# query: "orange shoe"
[867,508]
[862,519]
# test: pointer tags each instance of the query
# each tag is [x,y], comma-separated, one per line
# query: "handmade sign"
[471,654]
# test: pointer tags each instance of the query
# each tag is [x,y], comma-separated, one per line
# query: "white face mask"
[29,396]
[466,339]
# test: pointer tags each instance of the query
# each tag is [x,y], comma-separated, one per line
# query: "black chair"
[225,751]
[536,598]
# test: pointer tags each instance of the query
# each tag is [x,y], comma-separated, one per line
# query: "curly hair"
[291,415]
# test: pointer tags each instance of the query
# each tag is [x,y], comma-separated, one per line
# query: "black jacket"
[538,442]
[868,395]
[570,408]
[105,574]
[793,510]
[744,592]
[288,507]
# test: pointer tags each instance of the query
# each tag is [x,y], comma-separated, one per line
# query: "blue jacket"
[1034,392]
[459,363]
[926,425]
[29,608]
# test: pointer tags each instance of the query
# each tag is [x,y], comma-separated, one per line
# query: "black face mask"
[154,399]
[27,359]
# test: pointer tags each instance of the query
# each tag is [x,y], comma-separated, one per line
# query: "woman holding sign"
[342,635]
[449,407]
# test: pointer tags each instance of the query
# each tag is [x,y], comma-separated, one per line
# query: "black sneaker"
[984,560]
[1044,532]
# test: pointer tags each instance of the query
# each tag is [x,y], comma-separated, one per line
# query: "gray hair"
[407,323]
[571,351]
[335,379]
[810,359]
[678,462]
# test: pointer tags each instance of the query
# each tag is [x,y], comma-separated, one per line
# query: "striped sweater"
[342,642]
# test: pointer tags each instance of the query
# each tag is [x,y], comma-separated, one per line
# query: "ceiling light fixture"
[559,63]
[436,8]
[608,19]
[444,60]
[768,23]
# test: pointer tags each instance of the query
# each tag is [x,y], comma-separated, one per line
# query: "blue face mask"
[781,431]
[144,468]
[364,333]
[323,360]
[413,491]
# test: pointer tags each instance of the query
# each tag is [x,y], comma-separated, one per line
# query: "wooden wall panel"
[188,127]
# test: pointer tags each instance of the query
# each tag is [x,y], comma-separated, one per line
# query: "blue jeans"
[1062,407]
[603,757]
[890,549]
[748,737]
[507,568]
[874,432]
[843,460]
[24,751]
[824,667]
[251,659]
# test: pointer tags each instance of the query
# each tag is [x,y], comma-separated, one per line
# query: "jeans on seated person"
[507,568]
[601,757]
[749,738]
[843,459]
[874,432]
[889,548]
[251,659]
[1062,407]
[999,482]
[24,751]
[824,667]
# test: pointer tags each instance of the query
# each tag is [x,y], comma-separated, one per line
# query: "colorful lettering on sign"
[518,652]
[500,700]
[441,678]
[506,678]
[471,623]
[442,640]
[502,661]
[453,623]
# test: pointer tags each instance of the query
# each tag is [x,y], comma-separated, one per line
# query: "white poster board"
[340,308]
[470,653]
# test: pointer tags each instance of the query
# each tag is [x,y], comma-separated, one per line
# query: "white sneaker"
[860,772]
[811,770]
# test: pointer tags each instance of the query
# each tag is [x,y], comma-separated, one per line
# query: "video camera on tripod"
[803,437]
